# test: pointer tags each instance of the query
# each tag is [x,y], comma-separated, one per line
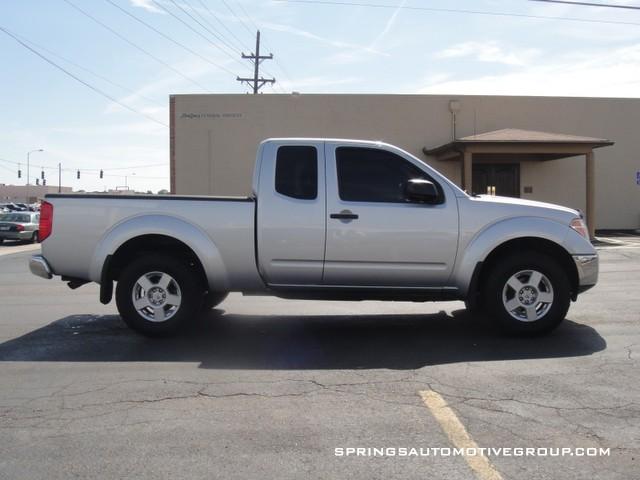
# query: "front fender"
[160,224]
[487,239]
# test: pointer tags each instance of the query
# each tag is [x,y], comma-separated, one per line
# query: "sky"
[407,46]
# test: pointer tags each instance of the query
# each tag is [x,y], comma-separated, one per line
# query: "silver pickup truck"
[329,220]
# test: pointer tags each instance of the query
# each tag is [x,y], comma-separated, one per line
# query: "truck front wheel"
[527,293]
[157,295]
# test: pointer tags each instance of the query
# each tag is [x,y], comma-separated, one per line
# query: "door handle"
[344,215]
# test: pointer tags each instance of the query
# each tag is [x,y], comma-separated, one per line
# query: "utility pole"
[257,82]
[59,177]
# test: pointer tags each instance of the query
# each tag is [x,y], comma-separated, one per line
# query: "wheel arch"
[155,233]
[531,233]
[536,244]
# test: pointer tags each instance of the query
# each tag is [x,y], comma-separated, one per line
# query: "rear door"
[291,213]
[375,236]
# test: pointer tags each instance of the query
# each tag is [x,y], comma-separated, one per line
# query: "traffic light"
[19,173]
[44,182]
[78,174]
[37,181]
[42,174]
[101,174]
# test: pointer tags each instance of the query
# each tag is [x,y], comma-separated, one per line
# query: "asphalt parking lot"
[270,388]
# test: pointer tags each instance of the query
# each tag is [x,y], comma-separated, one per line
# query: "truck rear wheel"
[527,293]
[157,295]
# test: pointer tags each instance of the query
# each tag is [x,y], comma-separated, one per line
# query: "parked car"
[23,207]
[327,220]
[12,207]
[19,226]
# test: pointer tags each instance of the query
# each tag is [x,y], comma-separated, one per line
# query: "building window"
[297,172]
[373,175]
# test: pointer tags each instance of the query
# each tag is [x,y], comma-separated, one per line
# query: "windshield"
[15,217]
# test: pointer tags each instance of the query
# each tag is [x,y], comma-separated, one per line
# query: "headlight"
[579,226]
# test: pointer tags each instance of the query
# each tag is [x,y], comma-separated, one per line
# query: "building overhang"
[525,144]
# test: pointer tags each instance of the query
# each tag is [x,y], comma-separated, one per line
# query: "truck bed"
[89,227]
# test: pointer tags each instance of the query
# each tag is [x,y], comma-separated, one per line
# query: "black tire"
[213,299]
[475,308]
[185,284]
[545,316]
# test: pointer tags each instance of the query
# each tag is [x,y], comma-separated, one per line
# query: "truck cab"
[344,214]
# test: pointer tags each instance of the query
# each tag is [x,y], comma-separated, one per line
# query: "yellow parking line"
[458,435]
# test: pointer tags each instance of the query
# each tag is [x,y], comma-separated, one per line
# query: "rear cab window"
[297,171]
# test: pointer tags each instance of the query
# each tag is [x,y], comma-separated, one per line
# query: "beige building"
[579,152]
[18,193]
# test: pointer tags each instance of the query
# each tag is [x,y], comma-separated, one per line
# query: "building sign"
[211,115]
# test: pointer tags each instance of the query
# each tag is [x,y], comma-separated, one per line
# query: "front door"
[375,236]
[503,179]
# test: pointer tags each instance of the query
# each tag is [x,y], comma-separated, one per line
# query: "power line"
[7,169]
[171,39]
[204,27]
[191,28]
[218,33]
[282,69]
[239,19]
[97,75]
[213,15]
[78,79]
[136,46]
[248,29]
[257,82]
[73,169]
[589,4]
[452,10]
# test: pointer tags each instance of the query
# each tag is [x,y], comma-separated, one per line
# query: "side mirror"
[420,190]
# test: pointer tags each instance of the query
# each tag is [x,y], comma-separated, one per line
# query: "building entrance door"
[500,179]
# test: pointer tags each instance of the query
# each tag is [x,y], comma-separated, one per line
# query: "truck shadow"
[230,341]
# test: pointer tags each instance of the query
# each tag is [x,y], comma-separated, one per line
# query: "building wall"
[214,138]
[18,193]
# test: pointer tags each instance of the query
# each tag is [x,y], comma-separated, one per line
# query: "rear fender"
[192,236]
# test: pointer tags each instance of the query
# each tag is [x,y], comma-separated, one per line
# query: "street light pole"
[28,155]
[126,184]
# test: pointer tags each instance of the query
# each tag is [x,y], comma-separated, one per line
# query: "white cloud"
[490,52]
[147,5]
[604,73]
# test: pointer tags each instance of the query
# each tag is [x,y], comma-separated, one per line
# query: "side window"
[372,175]
[297,172]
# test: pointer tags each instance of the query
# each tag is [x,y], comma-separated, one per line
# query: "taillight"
[19,228]
[46,220]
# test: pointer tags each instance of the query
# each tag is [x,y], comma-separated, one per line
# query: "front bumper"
[587,266]
[39,266]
